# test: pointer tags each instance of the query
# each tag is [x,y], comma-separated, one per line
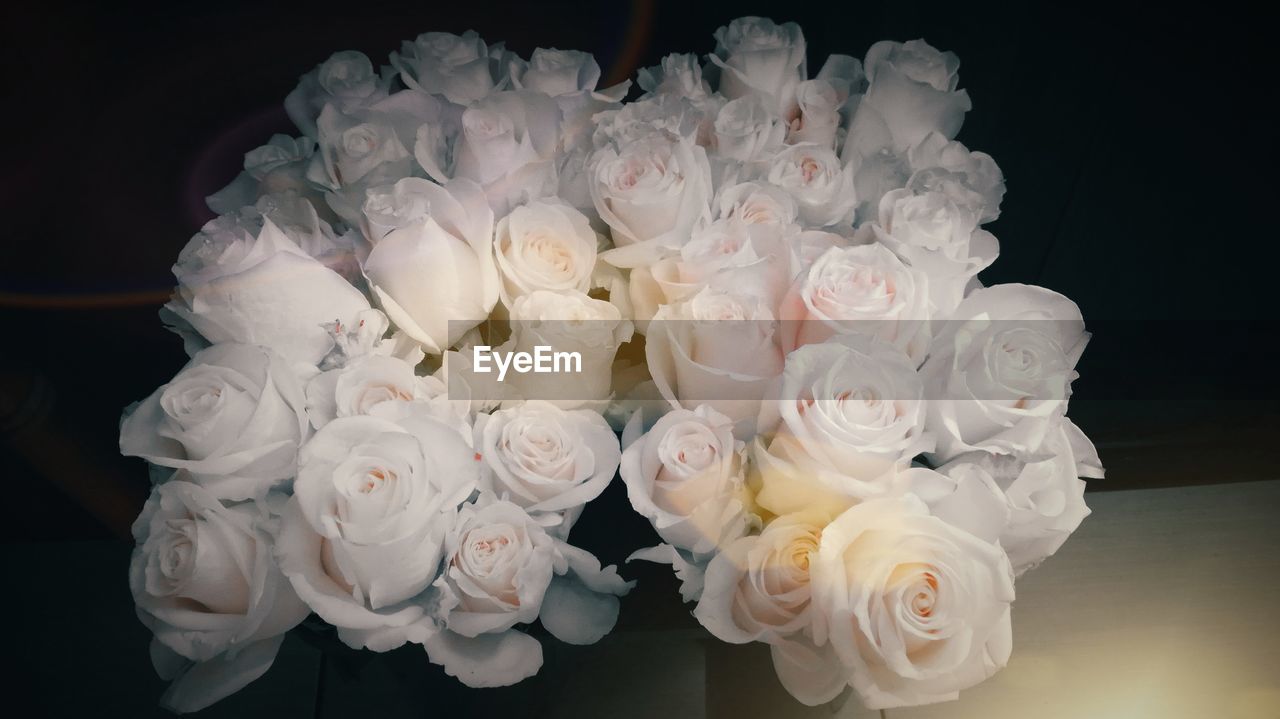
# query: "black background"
[1138,145]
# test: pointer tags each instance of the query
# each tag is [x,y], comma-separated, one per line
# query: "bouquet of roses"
[765,281]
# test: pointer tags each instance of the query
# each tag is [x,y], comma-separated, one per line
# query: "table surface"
[1162,605]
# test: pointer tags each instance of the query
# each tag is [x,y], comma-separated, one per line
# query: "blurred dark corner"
[1138,155]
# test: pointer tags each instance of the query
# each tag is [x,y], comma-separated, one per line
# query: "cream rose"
[915,608]
[545,459]
[568,322]
[503,569]
[864,289]
[853,405]
[234,286]
[233,418]
[715,348]
[685,476]
[436,278]
[365,383]
[1000,372]
[544,245]
[206,584]
[757,588]
[651,193]
[363,537]
[820,184]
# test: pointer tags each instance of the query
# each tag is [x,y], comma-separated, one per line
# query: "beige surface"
[1165,604]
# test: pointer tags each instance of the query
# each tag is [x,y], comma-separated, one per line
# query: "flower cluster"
[848,446]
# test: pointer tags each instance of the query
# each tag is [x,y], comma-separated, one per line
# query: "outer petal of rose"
[387,638]
[813,675]
[282,303]
[490,660]
[298,552]
[689,573]
[321,406]
[206,682]
[970,501]
[914,109]
[575,614]
[584,565]
[1086,455]
[783,486]
[422,276]
[715,606]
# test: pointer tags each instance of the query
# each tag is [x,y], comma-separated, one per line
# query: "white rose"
[1000,370]
[233,418]
[854,405]
[507,144]
[455,66]
[544,245]
[685,476]
[759,205]
[864,289]
[355,145]
[915,608]
[757,56]
[296,216]
[821,186]
[436,278]
[816,117]
[362,538]
[664,115]
[1043,492]
[362,385]
[546,459]
[746,130]
[971,179]
[847,78]
[744,252]
[652,192]
[715,348]
[757,588]
[913,89]
[568,322]
[278,167]
[559,72]
[678,74]
[205,583]
[929,232]
[503,569]
[370,146]
[234,286]
[367,337]
[347,79]
[390,207]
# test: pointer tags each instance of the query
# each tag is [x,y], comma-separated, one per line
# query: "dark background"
[1138,145]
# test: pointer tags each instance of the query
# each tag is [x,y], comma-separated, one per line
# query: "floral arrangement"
[848,446]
